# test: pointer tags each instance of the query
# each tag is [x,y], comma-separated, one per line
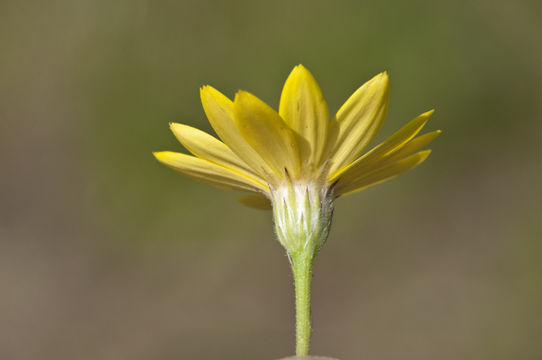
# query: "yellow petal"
[219,111]
[357,122]
[209,148]
[303,108]
[349,185]
[257,201]
[267,133]
[413,145]
[391,144]
[208,172]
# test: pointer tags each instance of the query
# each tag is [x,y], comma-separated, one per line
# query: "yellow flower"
[262,150]
[298,161]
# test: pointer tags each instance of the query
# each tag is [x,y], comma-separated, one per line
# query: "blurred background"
[106,254]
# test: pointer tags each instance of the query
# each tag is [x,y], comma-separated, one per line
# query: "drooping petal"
[209,172]
[391,144]
[351,184]
[267,133]
[304,109]
[256,201]
[219,111]
[209,148]
[357,122]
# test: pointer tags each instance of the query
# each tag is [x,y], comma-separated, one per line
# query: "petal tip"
[381,81]
[300,73]
[424,154]
[242,96]
[180,131]
[207,90]
[381,77]
[429,113]
[173,125]
[160,155]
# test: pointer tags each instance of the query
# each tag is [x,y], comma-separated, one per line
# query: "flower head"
[297,160]
[261,150]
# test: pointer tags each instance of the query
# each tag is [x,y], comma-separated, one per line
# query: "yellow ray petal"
[257,201]
[267,133]
[208,172]
[413,145]
[209,148]
[219,111]
[304,109]
[402,152]
[388,146]
[350,184]
[357,122]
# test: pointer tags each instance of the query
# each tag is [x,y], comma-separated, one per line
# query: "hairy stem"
[302,271]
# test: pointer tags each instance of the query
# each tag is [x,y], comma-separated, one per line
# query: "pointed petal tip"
[381,77]
[300,72]
[160,155]
[173,125]
[242,96]
[382,80]
[424,154]
[431,135]
[180,130]
[428,113]
[207,90]
[386,79]
[203,91]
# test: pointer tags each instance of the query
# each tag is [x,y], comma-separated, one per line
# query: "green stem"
[302,270]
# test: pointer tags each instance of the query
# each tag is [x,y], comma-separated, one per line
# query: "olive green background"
[106,254]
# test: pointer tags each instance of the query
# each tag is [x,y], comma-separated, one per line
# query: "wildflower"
[297,161]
